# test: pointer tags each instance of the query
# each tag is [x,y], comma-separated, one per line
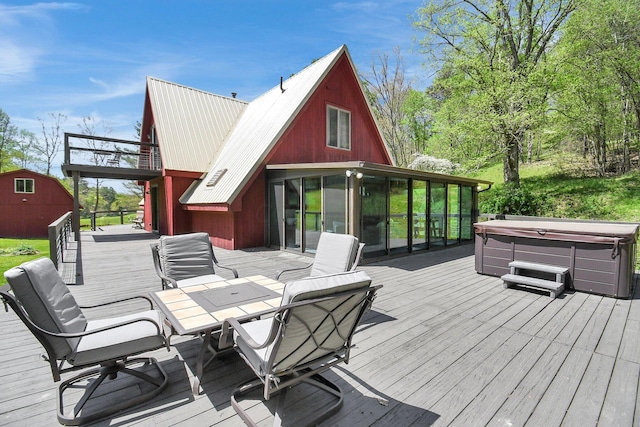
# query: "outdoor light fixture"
[350,172]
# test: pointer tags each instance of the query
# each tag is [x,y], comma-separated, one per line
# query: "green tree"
[494,53]
[25,154]
[389,90]
[599,98]
[8,135]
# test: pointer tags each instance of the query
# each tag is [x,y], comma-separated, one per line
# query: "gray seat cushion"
[335,253]
[258,331]
[47,300]
[122,341]
[186,255]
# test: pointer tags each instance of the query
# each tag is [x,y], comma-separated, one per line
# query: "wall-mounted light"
[480,190]
[350,172]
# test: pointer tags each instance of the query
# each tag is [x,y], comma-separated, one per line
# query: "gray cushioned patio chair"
[310,332]
[185,260]
[43,302]
[336,253]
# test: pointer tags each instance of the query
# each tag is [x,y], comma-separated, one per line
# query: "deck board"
[442,345]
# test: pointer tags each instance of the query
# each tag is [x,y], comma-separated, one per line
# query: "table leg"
[206,345]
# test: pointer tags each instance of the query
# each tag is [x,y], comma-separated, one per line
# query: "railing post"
[93,221]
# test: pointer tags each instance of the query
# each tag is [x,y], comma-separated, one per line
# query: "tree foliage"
[492,58]
[598,98]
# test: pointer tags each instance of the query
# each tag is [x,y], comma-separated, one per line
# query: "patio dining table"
[201,309]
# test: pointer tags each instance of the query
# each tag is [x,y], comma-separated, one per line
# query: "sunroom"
[392,210]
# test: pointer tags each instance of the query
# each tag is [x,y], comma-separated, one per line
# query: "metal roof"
[191,124]
[373,169]
[256,132]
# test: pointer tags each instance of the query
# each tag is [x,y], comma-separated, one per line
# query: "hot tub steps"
[518,275]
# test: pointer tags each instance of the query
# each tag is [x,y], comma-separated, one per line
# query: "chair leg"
[316,380]
[110,371]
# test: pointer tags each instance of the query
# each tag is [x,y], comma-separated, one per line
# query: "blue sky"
[92,57]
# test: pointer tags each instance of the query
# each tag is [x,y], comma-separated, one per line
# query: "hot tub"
[600,256]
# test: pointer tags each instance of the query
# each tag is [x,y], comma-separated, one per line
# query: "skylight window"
[216,177]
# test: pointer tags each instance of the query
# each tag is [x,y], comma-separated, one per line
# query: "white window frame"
[24,185]
[340,142]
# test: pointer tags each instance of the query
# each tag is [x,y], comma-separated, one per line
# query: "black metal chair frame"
[108,368]
[308,372]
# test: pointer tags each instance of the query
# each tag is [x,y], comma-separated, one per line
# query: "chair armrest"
[279,273]
[10,299]
[215,261]
[356,261]
[226,337]
[119,301]
[166,281]
[233,270]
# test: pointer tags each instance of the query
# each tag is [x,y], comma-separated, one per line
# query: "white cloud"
[16,61]
[25,32]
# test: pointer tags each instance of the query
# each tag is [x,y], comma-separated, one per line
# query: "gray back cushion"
[48,302]
[186,255]
[335,253]
[321,286]
[331,333]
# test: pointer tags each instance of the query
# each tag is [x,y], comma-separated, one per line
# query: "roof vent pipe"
[281,81]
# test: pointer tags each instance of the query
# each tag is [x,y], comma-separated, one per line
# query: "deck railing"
[110,152]
[60,232]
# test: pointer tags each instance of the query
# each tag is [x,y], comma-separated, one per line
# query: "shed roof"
[256,132]
[191,125]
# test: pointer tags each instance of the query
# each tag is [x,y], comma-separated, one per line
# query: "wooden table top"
[197,308]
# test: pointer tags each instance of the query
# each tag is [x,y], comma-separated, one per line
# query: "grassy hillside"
[570,191]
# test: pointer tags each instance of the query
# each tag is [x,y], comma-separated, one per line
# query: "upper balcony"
[100,157]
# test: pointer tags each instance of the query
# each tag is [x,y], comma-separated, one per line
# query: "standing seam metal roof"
[191,125]
[256,132]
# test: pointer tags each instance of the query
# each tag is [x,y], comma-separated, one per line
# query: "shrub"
[513,200]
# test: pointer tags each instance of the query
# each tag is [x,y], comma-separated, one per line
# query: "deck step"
[554,288]
[554,269]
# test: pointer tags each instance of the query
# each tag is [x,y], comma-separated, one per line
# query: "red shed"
[29,202]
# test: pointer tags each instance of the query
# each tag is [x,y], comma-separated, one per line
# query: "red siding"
[305,140]
[29,214]
[219,225]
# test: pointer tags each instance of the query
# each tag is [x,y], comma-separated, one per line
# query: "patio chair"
[310,332]
[43,302]
[185,260]
[336,253]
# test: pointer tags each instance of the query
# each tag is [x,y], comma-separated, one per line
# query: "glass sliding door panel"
[292,232]
[312,213]
[420,193]
[467,218]
[437,207]
[398,215]
[276,214]
[373,195]
[335,204]
[453,214]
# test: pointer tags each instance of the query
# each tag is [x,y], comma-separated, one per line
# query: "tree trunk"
[511,161]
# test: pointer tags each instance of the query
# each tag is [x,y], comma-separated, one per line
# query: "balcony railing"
[99,151]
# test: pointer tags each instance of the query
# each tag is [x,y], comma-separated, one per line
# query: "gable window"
[24,185]
[338,128]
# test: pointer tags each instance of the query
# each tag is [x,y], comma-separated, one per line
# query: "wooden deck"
[442,346]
